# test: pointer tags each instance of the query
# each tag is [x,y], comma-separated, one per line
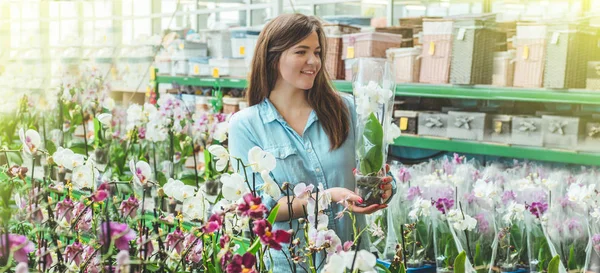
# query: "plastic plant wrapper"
[374,100]
[481,242]
[409,215]
[539,247]
[569,226]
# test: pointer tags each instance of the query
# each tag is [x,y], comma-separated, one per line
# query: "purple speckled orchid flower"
[482,223]
[413,192]
[443,204]
[457,159]
[596,242]
[130,206]
[64,209]
[508,196]
[404,175]
[175,240]
[538,208]
[18,245]
[120,233]
[74,252]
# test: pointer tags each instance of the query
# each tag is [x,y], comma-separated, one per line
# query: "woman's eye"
[318,53]
[300,52]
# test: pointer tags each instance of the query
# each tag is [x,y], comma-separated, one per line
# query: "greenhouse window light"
[416,7]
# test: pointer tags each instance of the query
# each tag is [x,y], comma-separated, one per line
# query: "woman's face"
[298,66]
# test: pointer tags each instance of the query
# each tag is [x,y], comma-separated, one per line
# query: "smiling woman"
[306,127]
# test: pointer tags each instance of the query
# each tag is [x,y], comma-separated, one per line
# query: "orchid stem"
[84,133]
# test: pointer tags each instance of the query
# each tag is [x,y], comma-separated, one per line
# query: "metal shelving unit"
[458,92]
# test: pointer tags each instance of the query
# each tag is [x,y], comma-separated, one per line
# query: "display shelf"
[459,92]
[434,91]
[501,150]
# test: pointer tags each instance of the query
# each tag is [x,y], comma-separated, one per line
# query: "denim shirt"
[305,158]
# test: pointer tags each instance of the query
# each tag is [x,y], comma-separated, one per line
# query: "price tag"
[431,48]
[181,46]
[196,69]
[152,73]
[148,91]
[350,52]
[403,123]
[215,72]
[525,52]
[243,50]
[461,34]
[555,37]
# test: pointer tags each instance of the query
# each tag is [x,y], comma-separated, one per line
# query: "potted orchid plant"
[374,88]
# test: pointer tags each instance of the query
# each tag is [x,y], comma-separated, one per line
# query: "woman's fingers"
[369,209]
[385,186]
[387,168]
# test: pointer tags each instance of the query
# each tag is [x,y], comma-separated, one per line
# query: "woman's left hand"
[386,185]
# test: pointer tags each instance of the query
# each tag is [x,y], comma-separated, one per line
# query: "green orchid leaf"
[273,214]
[554,264]
[371,146]
[459,262]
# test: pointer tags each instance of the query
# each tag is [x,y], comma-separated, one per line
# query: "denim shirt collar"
[269,113]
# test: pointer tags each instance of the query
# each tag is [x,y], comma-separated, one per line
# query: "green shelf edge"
[501,150]
[477,92]
[224,82]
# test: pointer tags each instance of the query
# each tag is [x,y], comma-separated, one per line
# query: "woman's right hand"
[342,194]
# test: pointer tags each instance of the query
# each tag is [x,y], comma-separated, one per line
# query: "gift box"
[334,63]
[504,68]
[498,128]
[406,62]
[569,47]
[593,76]
[466,125]
[437,50]
[433,124]
[406,32]
[531,55]
[369,44]
[407,121]
[591,139]
[527,131]
[560,132]
[472,50]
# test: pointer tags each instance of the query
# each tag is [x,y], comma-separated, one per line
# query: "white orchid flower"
[105,119]
[581,195]
[324,198]
[31,141]
[270,187]
[261,160]
[134,116]
[333,265]
[171,186]
[322,221]
[514,212]
[221,130]
[108,104]
[84,177]
[365,261]
[222,156]
[194,207]
[234,187]
[393,132]
[156,132]
[466,223]
[330,238]
[302,191]
[421,208]
[142,173]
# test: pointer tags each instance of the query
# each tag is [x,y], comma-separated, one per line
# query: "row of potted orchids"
[101,188]
[515,217]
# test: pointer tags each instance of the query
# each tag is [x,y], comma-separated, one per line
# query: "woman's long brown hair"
[278,35]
